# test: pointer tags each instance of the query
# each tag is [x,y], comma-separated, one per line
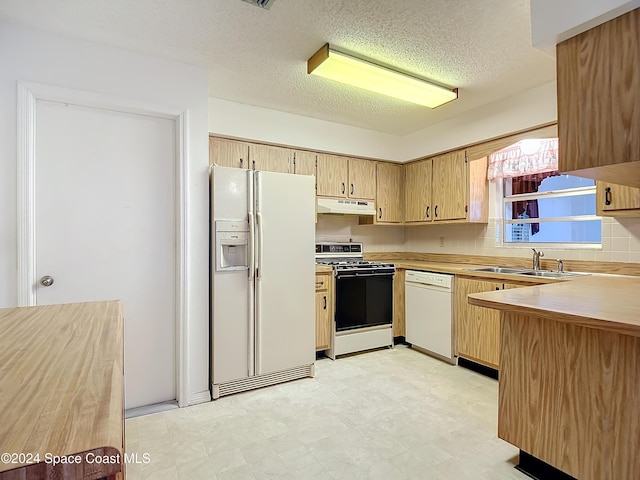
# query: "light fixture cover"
[338,66]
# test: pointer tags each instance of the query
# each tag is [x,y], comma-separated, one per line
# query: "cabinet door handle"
[241,162]
[607,196]
[352,189]
[324,298]
[380,214]
[253,164]
[427,211]
[343,188]
[435,211]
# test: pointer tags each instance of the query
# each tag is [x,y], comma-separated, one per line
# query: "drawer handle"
[319,284]
[607,196]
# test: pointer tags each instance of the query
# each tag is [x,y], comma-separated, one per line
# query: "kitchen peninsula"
[569,374]
[62,384]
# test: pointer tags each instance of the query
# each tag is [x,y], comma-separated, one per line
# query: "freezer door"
[285,295]
[232,290]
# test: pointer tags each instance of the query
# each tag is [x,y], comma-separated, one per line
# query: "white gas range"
[363,299]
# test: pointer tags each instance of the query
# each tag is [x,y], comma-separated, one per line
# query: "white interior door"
[105,229]
[285,289]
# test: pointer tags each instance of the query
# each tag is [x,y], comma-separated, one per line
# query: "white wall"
[263,125]
[33,56]
[554,21]
[530,108]
[518,112]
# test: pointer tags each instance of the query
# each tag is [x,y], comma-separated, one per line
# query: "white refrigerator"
[262,283]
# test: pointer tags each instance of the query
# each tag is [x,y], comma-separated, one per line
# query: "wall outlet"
[442,241]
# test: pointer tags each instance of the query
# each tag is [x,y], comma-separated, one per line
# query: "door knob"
[46,281]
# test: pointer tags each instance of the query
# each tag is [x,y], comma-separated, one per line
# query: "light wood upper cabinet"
[304,163]
[617,200]
[446,188]
[346,177]
[332,176]
[388,189]
[270,159]
[228,153]
[598,82]
[417,191]
[362,179]
[450,186]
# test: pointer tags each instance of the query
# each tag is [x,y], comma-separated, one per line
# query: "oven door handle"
[359,275]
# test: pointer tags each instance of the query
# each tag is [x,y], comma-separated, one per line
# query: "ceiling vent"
[266,4]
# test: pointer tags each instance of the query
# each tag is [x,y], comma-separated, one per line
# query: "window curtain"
[527,157]
[528,208]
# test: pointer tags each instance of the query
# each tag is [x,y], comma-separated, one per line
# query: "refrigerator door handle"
[260,243]
[251,359]
[252,247]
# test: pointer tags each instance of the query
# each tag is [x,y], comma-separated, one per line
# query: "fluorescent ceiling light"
[338,66]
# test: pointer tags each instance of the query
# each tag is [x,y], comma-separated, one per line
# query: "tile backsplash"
[620,239]
[345,228]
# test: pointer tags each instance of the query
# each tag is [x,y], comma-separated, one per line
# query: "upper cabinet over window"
[599,102]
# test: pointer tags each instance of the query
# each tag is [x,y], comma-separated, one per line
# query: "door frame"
[28,93]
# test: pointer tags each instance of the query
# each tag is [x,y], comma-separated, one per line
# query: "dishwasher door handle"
[428,286]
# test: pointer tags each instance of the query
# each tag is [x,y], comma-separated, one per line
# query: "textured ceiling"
[258,57]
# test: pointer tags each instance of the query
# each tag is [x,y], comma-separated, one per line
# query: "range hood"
[343,206]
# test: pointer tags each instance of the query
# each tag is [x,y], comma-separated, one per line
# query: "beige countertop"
[62,384]
[464,269]
[606,302]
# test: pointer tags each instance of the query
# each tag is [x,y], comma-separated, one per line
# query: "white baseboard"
[200,397]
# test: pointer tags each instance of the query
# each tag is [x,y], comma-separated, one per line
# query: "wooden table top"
[599,301]
[61,380]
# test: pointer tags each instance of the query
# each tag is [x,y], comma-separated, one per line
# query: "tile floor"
[389,414]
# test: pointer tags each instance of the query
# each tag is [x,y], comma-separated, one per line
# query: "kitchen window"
[539,205]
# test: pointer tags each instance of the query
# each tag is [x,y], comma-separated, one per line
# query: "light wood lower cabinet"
[478,328]
[323,311]
[399,323]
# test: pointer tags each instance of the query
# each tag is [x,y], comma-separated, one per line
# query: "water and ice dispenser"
[232,245]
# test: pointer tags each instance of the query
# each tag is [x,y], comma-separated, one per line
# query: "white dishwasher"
[429,312]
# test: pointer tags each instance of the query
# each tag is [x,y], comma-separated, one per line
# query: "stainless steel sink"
[550,274]
[511,270]
[526,271]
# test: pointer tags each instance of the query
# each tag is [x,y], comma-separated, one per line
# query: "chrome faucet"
[560,266]
[536,258]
